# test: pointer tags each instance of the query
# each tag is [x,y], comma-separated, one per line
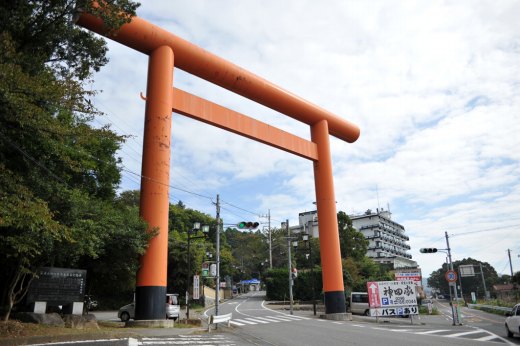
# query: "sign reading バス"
[389,294]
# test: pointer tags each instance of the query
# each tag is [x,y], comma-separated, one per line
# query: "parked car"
[173,309]
[513,321]
[359,303]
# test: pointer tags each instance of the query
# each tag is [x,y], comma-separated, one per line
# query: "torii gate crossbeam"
[161,46]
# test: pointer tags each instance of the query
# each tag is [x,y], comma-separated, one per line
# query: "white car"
[173,309]
[513,321]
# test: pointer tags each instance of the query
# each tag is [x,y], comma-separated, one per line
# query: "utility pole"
[454,305]
[510,264]
[289,265]
[217,286]
[270,241]
[483,281]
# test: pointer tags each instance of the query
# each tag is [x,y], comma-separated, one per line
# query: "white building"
[387,239]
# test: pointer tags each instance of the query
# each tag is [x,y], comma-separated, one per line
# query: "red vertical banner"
[374,300]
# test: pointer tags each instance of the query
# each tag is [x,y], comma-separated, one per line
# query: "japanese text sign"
[391,293]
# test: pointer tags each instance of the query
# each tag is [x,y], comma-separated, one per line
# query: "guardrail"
[490,307]
[219,319]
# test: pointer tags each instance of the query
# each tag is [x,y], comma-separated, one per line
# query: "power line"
[247,211]
[484,230]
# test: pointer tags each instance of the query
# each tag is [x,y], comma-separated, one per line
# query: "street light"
[195,229]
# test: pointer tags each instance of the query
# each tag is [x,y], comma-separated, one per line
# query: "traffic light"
[428,250]
[247,225]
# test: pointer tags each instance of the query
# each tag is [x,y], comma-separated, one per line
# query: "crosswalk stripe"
[236,323]
[187,340]
[281,318]
[294,317]
[463,333]
[433,331]
[267,319]
[244,321]
[487,338]
[255,320]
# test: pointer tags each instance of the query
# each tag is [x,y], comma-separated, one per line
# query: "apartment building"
[387,239]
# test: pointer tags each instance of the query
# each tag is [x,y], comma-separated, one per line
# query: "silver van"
[359,303]
[173,309]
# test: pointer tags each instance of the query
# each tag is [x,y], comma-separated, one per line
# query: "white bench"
[219,319]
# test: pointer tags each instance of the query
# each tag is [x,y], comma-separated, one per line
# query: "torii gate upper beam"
[214,69]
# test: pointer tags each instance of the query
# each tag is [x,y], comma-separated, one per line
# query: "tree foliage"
[58,174]
[438,281]
[181,220]
[352,242]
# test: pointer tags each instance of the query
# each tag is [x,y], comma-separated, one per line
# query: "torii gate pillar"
[330,252]
[151,283]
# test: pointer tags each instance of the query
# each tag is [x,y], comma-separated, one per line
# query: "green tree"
[516,278]
[352,242]
[438,281]
[58,174]
[181,220]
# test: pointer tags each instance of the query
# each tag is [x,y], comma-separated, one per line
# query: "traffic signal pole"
[454,306]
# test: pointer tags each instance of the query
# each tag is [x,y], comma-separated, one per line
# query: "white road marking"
[433,331]
[244,321]
[463,333]
[255,320]
[487,338]
[236,323]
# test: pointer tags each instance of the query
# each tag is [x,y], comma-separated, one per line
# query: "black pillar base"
[150,303]
[335,302]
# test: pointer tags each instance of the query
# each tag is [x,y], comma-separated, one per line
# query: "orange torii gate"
[165,51]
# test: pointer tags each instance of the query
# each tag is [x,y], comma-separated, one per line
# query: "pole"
[270,242]
[312,275]
[188,282]
[483,281]
[150,289]
[217,286]
[454,311]
[460,285]
[510,264]
[289,265]
[330,251]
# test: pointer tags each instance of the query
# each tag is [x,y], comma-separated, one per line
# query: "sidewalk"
[306,310]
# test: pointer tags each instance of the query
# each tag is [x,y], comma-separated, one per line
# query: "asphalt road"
[260,324]
[255,322]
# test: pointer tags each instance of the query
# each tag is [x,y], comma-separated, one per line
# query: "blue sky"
[434,87]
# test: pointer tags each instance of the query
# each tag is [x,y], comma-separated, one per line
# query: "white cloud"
[433,86]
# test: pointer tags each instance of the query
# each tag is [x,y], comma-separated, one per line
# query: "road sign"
[467,270]
[373,294]
[392,294]
[450,276]
[395,311]
[196,287]
[409,275]
[209,269]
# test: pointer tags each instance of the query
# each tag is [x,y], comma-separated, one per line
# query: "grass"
[423,310]
[14,330]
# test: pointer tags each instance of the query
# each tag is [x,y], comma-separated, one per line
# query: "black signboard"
[58,286]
